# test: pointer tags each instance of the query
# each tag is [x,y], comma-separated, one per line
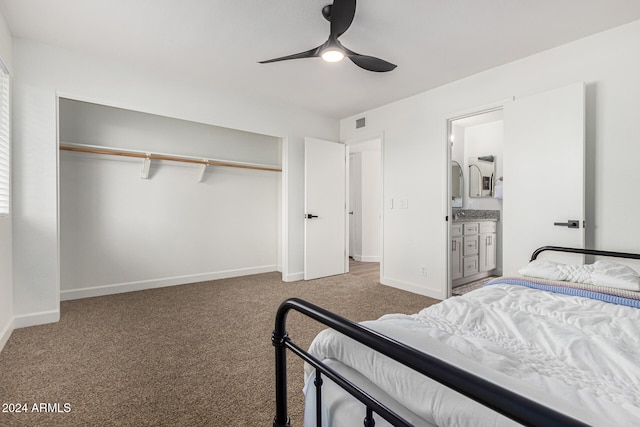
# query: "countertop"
[475,215]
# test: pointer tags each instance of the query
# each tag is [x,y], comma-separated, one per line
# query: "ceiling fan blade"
[312,53]
[370,63]
[342,13]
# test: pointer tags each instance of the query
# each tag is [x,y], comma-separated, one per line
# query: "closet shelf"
[96,149]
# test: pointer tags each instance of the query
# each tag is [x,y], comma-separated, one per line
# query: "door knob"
[309,216]
[571,223]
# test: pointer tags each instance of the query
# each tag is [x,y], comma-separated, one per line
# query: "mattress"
[575,354]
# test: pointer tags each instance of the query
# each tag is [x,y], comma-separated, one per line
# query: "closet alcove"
[130,223]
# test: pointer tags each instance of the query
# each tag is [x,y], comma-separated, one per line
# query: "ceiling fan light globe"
[333,55]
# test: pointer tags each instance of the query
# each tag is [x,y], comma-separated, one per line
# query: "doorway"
[475,195]
[365,201]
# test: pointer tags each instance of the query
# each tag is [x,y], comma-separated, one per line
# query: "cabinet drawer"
[471,228]
[470,244]
[456,230]
[488,227]
[470,265]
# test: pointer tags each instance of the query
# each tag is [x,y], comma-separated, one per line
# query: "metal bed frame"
[517,407]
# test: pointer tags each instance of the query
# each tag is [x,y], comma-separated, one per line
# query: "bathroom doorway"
[475,194]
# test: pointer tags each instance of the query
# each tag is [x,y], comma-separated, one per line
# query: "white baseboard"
[5,333]
[293,277]
[120,288]
[33,319]
[409,287]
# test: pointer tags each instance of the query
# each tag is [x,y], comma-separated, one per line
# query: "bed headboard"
[584,251]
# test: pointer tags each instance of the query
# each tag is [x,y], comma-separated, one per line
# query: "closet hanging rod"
[95,149]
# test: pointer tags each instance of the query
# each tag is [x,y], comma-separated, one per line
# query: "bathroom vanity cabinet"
[473,250]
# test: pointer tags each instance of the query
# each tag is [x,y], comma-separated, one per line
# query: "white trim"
[474,111]
[347,207]
[284,185]
[448,206]
[5,334]
[118,288]
[409,287]
[293,277]
[58,277]
[33,319]
[382,205]
[6,146]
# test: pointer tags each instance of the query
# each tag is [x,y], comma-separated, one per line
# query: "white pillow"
[543,269]
[601,273]
[615,275]
[577,273]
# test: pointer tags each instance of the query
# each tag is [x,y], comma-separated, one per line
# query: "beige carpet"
[191,355]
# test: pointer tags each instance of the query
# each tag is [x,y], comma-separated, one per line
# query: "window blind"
[4,144]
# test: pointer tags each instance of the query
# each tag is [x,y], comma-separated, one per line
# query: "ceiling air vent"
[360,123]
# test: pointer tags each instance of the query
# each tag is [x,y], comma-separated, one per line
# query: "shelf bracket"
[146,165]
[202,170]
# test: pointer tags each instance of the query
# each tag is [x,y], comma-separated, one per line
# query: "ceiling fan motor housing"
[326,12]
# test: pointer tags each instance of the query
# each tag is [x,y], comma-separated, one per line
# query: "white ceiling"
[219,43]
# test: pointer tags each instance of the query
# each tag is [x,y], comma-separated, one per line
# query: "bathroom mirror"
[481,176]
[457,184]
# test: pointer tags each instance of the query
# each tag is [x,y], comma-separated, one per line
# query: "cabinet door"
[487,252]
[456,258]
[487,227]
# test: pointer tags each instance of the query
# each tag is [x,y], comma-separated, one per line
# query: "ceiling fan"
[340,14]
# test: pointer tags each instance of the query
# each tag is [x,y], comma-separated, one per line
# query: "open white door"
[325,209]
[544,175]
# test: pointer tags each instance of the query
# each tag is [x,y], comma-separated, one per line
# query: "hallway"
[368,270]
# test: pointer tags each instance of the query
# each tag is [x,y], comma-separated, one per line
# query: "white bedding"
[601,273]
[578,355]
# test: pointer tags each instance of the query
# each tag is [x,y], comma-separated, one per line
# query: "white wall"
[415,154]
[87,123]
[120,233]
[6,283]
[42,73]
